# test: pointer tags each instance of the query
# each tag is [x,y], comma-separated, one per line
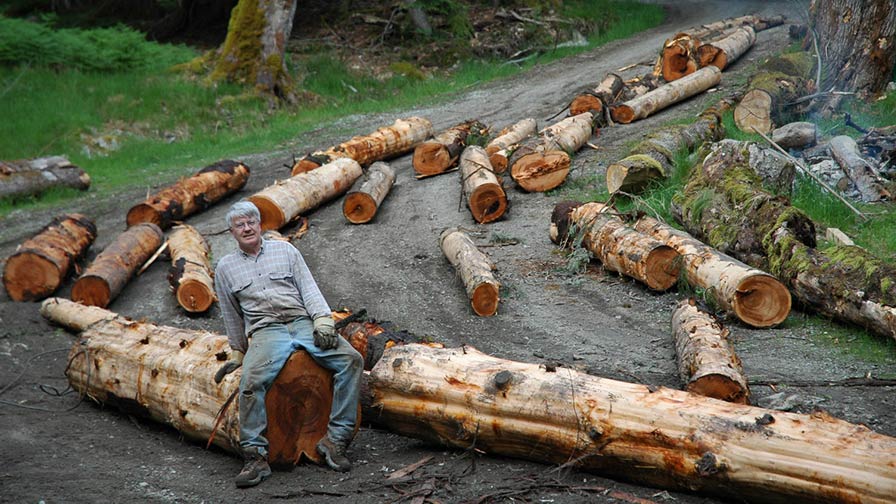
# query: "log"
[27,177]
[191,195]
[436,156]
[779,81]
[795,135]
[846,152]
[617,246]
[755,297]
[482,190]
[361,204]
[191,274]
[602,96]
[40,264]
[707,363]
[726,51]
[167,374]
[666,95]
[475,270]
[678,57]
[103,280]
[500,147]
[284,200]
[542,164]
[382,144]
[639,86]
[660,437]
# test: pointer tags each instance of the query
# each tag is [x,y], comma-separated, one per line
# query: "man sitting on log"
[272,307]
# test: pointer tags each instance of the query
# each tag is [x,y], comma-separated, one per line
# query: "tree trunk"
[602,96]
[500,148]
[38,266]
[443,151]
[542,164]
[666,95]
[116,264]
[617,246]
[727,50]
[482,190]
[777,83]
[361,205]
[475,270]
[191,271]
[191,195]
[678,57]
[846,152]
[384,143]
[795,135]
[33,176]
[707,363]
[658,437]
[281,202]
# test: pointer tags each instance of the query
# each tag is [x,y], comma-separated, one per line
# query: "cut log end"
[432,158]
[541,171]
[30,277]
[754,112]
[663,267]
[143,213]
[586,103]
[498,161]
[719,387]
[92,290]
[485,299]
[194,296]
[762,301]
[359,208]
[622,114]
[488,203]
[272,216]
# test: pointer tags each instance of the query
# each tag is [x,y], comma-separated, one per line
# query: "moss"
[796,64]
[408,70]
[646,160]
[240,52]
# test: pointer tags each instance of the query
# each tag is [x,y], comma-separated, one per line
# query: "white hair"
[242,208]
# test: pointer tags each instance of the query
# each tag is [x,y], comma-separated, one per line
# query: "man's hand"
[236,360]
[325,336]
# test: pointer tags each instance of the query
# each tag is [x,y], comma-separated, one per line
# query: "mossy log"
[40,264]
[775,171]
[482,190]
[678,57]
[384,143]
[443,151]
[475,270]
[779,81]
[596,100]
[190,195]
[845,151]
[361,204]
[284,200]
[28,177]
[726,51]
[500,147]
[191,274]
[103,280]
[542,163]
[667,94]
[660,437]
[707,363]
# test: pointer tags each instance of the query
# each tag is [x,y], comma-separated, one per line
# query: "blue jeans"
[269,348]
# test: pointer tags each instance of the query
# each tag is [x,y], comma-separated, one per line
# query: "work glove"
[325,336]
[236,360]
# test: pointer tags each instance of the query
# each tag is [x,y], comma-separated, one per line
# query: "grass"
[848,340]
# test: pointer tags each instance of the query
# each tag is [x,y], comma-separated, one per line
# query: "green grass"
[848,340]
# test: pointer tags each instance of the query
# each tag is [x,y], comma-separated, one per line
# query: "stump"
[778,81]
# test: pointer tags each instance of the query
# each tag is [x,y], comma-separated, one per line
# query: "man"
[272,307]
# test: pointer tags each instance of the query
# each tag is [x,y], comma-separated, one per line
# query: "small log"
[384,143]
[443,151]
[482,190]
[27,177]
[103,280]
[795,135]
[678,57]
[499,149]
[595,100]
[846,152]
[779,81]
[666,95]
[191,275]
[38,266]
[190,195]
[361,204]
[284,200]
[475,270]
[542,164]
[707,363]
[726,51]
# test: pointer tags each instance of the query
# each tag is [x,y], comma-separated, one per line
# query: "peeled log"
[542,164]
[723,52]
[475,270]
[779,81]
[482,190]
[443,151]
[595,100]
[115,265]
[281,202]
[678,57]
[383,143]
[499,149]
[191,195]
[191,274]
[846,152]
[658,437]
[361,205]
[666,95]
[33,176]
[707,363]
[38,266]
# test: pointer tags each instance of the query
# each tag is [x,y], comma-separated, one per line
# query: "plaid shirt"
[273,287]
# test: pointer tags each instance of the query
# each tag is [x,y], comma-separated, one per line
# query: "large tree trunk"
[778,82]
[33,176]
[361,205]
[482,190]
[596,100]
[191,275]
[191,195]
[500,147]
[543,163]
[659,437]
[443,151]
[475,270]
[845,151]
[666,95]
[38,266]
[727,50]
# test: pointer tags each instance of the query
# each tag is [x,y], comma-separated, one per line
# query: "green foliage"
[456,15]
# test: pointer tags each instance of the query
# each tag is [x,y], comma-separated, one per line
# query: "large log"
[678,57]
[845,151]
[191,274]
[436,156]
[500,147]
[38,266]
[111,270]
[281,202]
[361,204]
[384,143]
[28,177]
[666,95]
[596,100]
[707,363]
[779,81]
[542,164]
[655,436]
[482,190]
[726,51]
[191,195]
[475,270]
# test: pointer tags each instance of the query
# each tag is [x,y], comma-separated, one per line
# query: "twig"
[816,95]
[152,259]
[846,382]
[849,122]
[817,55]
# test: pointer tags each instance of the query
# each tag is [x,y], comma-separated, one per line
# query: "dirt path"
[393,267]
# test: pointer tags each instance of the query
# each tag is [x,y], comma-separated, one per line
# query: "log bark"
[191,195]
[846,152]
[779,81]
[678,57]
[281,202]
[500,148]
[795,135]
[666,95]
[596,100]
[29,177]
[103,280]
[727,50]
[639,86]
[542,164]
[191,274]
[482,190]
[361,204]
[40,264]
[443,151]
[617,246]
[707,363]
[475,270]
[384,143]
[658,437]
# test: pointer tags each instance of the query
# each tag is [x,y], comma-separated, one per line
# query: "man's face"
[247,231]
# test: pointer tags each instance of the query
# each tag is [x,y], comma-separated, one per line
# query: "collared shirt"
[275,286]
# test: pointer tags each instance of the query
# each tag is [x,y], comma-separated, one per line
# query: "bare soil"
[68,451]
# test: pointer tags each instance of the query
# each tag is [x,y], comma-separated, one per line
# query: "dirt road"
[393,267]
